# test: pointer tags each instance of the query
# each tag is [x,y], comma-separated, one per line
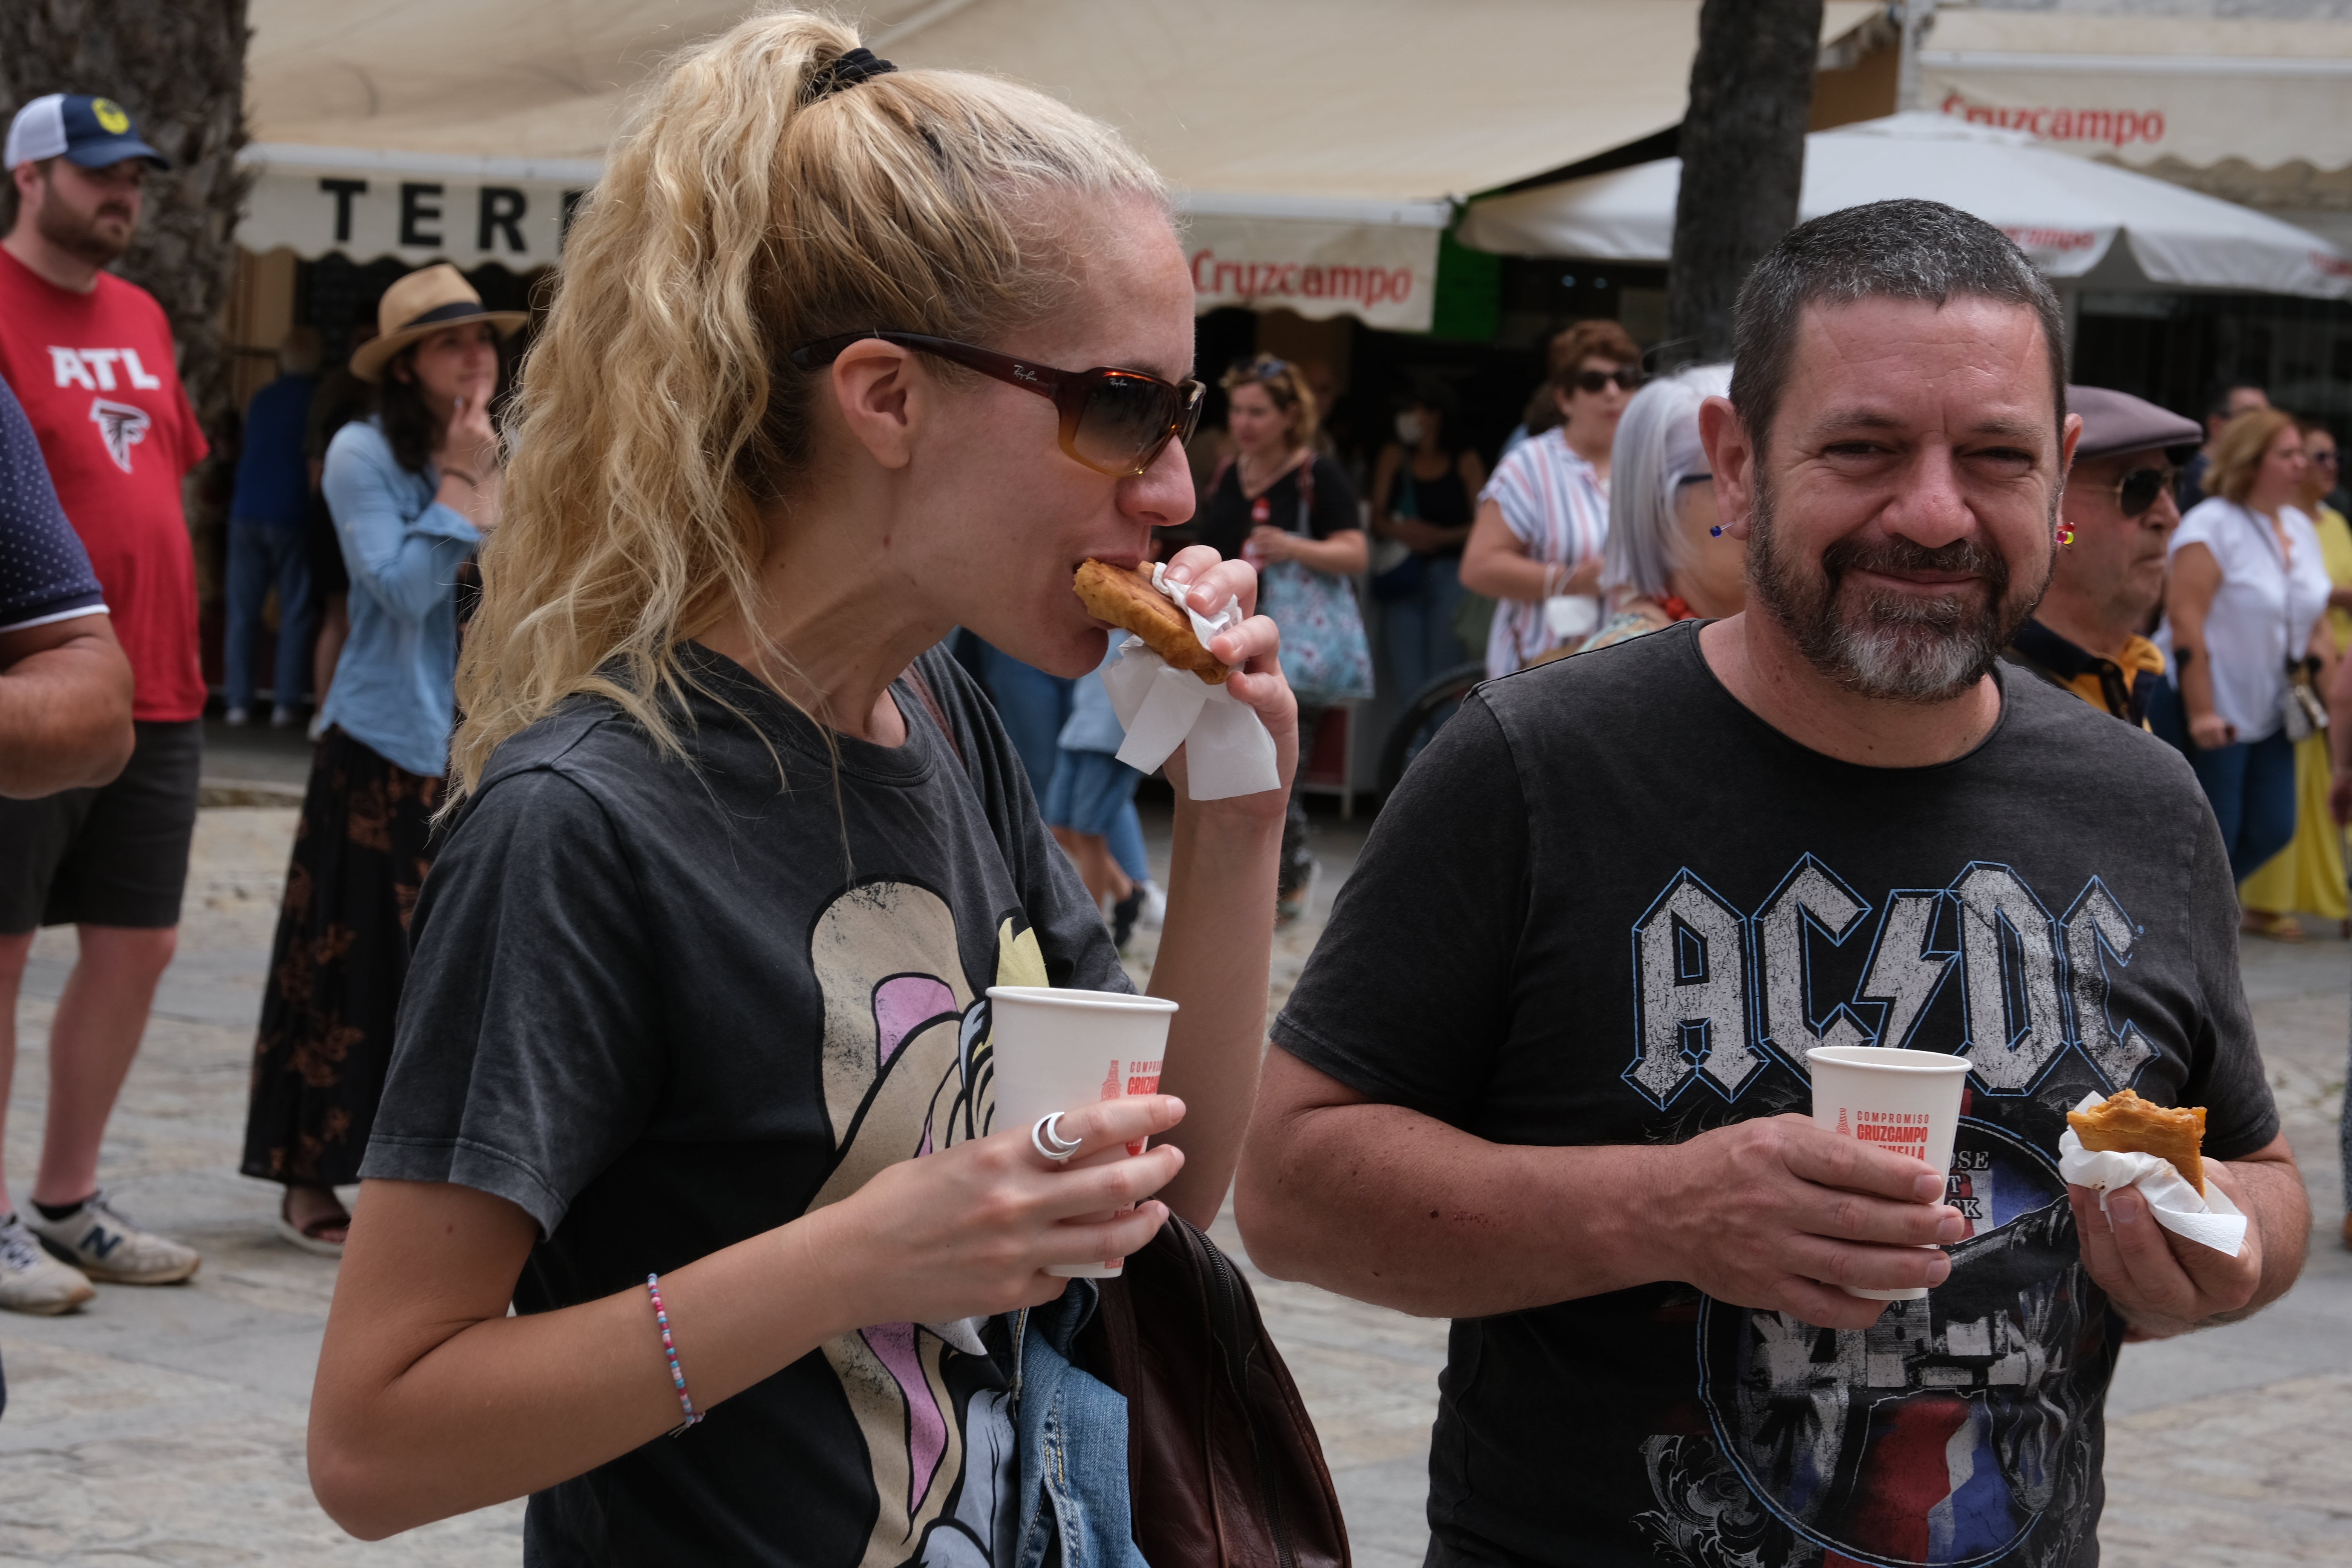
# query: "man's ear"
[882,397]
[1731,458]
[2069,437]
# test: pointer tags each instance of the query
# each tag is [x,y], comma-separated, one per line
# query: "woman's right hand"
[970,1230]
[2210,732]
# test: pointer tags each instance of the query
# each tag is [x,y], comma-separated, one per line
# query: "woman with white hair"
[1666,561]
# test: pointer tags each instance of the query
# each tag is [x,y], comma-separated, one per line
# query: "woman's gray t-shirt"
[663,1008]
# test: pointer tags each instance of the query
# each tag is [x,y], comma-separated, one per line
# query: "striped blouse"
[1558,504]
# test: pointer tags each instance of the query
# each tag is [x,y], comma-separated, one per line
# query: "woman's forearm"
[1495,561]
[401,1434]
[1214,953]
[1343,554]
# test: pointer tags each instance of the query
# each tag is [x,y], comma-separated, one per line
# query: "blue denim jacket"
[1073,1436]
[392,689]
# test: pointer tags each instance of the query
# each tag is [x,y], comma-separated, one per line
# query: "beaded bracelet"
[669,1348]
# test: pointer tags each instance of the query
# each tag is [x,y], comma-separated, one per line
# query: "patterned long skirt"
[361,852]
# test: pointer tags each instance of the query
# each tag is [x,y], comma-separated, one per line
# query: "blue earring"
[1716,531]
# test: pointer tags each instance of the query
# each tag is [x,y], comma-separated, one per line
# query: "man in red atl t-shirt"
[89,357]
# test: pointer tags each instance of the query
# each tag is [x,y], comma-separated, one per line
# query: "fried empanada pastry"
[2129,1125]
[1125,598]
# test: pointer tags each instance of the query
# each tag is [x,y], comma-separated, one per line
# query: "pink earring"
[2065,533]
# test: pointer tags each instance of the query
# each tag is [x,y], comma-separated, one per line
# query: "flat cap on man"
[2117,422]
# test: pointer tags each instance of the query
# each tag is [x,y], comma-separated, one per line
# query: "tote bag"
[1325,655]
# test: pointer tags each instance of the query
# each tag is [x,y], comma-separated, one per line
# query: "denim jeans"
[2251,784]
[1417,633]
[1034,706]
[1071,1429]
[259,555]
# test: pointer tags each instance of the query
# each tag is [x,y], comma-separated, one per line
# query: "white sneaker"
[283,718]
[106,1246]
[33,1282]
[1155,907]
[238,718]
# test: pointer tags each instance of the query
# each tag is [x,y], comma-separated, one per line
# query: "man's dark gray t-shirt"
[666,1007]
[1612,906]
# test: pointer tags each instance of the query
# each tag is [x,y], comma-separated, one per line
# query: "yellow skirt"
[2307,875]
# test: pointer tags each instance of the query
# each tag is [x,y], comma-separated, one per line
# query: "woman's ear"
[881,397]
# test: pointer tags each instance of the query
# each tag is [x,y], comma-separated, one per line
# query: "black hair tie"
[849,70]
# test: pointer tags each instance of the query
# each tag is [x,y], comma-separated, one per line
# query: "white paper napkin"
[1162,708]
[2209,1218]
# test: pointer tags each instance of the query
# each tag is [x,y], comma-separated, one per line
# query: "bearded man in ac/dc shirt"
[89,357]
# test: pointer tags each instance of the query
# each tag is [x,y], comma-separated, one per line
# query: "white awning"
[1318,141]
[2109,227]
[2141,88]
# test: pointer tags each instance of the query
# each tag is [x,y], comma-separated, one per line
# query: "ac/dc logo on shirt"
[1718,991]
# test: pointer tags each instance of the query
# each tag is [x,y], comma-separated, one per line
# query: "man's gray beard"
[75,234]
[1900,648]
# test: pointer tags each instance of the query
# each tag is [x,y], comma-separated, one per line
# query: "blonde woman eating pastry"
[843,357]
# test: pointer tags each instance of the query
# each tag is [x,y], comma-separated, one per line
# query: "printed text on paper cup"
[1897,1132]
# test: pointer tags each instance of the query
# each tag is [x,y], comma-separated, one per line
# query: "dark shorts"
[114,855]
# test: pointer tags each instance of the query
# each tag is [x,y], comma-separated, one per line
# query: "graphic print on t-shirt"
[908,1072]
[120,426]
[2032,985]
[1945,1432]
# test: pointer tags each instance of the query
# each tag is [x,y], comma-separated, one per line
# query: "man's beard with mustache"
[1898,647]
[78,236]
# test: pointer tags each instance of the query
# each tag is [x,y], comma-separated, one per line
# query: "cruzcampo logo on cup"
[110,116]
[1905,1102]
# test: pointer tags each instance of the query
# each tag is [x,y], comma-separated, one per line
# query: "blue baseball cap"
[95,133]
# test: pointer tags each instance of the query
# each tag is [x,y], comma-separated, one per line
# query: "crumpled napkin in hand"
[2209,1218]
[1230,751]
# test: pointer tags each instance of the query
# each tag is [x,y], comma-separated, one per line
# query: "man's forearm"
[2280,1211]
[1388,1206]
[65,719]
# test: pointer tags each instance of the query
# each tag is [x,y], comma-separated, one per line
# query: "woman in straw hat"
[703,964]
[412,491]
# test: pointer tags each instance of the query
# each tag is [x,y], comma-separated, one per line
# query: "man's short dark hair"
[1895,250]
[2217,406]
[9,200]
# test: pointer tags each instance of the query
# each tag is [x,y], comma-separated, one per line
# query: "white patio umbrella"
[2068,214]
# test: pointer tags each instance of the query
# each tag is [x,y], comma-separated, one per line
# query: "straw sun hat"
[420,304]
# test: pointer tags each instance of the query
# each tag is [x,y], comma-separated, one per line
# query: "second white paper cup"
[1908,1102]
[1056,1050]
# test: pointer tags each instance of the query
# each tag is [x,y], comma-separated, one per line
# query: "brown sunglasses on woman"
[1113,421]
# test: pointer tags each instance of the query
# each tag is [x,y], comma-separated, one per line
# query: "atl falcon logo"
[121,426]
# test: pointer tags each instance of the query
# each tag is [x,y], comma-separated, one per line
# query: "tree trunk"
[1743,151]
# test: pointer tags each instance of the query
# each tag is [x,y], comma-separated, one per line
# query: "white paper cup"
[1908,1102]
[1056,1050]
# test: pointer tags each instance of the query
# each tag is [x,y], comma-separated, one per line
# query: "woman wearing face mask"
[413,490]
[1421,486]
[695,1063]
[1544,516]
[1665,560]
[2308,874]
[2245,606]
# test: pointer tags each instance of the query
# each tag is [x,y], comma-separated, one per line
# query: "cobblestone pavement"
[166,1427]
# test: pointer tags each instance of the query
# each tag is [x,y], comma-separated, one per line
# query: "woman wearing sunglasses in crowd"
[702,968]
[1277,499]
[1543,518]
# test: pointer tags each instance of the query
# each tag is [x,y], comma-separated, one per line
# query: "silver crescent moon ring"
[1045,1136]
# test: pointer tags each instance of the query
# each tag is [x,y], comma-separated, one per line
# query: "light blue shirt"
[393,687]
